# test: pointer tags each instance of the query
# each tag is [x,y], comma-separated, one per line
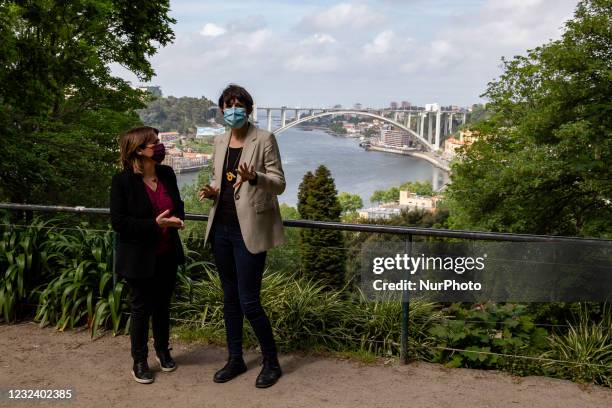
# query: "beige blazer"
[257,206]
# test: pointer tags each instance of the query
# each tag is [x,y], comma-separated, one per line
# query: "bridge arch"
[423,141]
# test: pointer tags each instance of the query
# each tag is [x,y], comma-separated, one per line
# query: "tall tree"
[350,202]
[61,110]
[322,251]
[542,163]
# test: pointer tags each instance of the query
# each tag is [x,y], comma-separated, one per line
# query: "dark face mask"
[159,153]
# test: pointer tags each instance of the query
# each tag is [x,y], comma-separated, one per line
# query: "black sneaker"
[141,372]
[233,368]
[270,372]
[165,361]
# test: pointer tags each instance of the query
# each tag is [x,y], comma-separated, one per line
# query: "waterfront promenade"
[432,158]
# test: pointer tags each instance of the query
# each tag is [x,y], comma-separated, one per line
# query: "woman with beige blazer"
[243,224]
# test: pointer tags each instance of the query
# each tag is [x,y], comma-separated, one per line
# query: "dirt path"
[98,371]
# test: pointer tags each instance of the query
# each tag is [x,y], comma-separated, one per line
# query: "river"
[354,169]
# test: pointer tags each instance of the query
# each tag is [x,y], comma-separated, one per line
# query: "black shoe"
[270,373]
[233,368]
[141,372]
[165,361]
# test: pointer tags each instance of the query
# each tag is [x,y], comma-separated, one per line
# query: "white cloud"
[472,45]
[353,52]
[342,16]
[312,64]
[380,45]
[249,23]
[212,30]
[255,41]
[318,39]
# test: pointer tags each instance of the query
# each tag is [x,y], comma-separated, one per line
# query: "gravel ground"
[99,373]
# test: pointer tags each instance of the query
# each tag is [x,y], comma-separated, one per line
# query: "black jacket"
[133,218]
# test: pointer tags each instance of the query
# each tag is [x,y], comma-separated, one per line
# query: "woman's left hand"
[245,173]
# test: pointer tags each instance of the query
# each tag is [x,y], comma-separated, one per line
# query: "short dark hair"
[237,92]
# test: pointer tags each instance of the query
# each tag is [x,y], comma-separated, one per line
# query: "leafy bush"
[301,311]
[480,333]
[66,272]
[83,290]
[23,263]
[586,348]
[305,313]
[378,325]
[199,299]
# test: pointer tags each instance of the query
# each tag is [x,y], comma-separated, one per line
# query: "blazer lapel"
[141,190]
[248,150]
[221,150]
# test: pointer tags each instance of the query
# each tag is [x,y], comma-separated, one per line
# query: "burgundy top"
[161,201]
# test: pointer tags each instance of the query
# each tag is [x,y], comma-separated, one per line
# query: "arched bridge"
[429,127]
[351,112]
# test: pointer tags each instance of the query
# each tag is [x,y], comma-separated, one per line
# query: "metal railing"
[408,232]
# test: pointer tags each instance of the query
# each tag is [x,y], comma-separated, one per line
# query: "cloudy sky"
[319,53]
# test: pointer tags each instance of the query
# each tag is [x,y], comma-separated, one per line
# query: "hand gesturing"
[245,173]
[208,192]
[164,221]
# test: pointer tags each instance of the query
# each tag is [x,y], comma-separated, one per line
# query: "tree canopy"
[542,162]
[61,109]
[350,202]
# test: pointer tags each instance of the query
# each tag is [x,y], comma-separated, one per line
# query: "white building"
[379,212]
[413,201]
[167,137]
[209,131]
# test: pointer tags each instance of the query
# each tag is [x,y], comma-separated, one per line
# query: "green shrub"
[23,264]
[484,331]
[377,325]
[301,312]
[83,290]
[585,348]
[199,299]
[305,314]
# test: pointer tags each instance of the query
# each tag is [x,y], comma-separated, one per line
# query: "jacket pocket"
[262,206]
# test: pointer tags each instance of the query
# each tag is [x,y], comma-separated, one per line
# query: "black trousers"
[151,299]
[241,274]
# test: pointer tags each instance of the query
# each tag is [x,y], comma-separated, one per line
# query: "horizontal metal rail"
[370,228]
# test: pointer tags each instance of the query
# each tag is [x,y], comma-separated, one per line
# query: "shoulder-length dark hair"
[131,141]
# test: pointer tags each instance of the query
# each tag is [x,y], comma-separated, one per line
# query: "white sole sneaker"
[167,370]
[140,380]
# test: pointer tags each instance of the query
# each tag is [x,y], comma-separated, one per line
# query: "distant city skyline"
[322,53]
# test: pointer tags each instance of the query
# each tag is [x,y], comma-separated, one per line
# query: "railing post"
[405,310]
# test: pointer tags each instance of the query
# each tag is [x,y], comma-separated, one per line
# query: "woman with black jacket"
[147,211]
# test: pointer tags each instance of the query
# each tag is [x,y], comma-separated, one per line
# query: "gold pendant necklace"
[230,176]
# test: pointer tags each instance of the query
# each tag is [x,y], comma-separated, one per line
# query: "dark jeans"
[241,272]
[151,298]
